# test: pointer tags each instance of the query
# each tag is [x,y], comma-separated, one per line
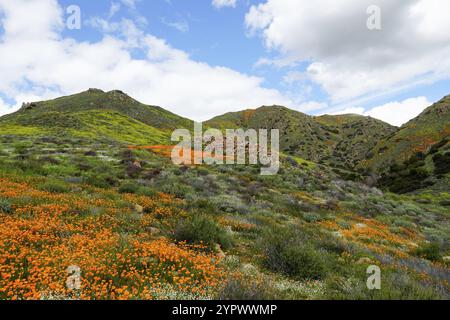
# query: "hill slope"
[418,135]
[338,140]
[95,99]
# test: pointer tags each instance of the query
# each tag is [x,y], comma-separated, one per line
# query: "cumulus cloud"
[37,62]
[224,3]
[395,113]
[346,58]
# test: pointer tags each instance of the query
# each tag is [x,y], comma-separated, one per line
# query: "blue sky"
[201,58]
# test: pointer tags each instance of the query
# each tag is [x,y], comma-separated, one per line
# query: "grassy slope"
[430,127]
[95,99]
[93,124]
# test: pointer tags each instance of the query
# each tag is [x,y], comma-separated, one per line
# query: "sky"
[203,58]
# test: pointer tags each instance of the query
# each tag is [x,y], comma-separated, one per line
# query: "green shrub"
[202,229]
[247,289]
[55,187]
[430,252]
[441,163]
[104,181]
[5,206]
[177,189]
[146,191]
[312,217]
[128,187]
[287,254]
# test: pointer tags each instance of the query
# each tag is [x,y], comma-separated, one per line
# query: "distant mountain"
[338,140]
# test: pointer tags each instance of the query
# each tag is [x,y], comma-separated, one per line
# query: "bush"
[128,187]
[284,252]
[55,187]
[146,191]
[312,217]
[100,181]
[430,252]
[5,206]
[441,163]
[202,229]
[247,289]
[177,189]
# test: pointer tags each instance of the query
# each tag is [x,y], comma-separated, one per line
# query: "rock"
[413,244]
[377,192]
[360,225]
[137,164]
[90,153]
[153,231]
[364,260]
[219,251]
[139,209]
[249,269]
[337,234]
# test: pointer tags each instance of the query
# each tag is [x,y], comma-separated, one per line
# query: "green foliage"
[128,187]
[407,177]
[5,206]
[55,186]
[441,163]
[247,289]
[203,229]
[429,251]
[285,252]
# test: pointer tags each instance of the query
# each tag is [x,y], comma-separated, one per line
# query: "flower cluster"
[46,233]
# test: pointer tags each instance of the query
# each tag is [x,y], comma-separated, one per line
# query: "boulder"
[139,209]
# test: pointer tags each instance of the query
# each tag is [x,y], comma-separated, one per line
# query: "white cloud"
[130,3]
[4,108]
[224,3]
[346,58]
[180,25]
[37,62]
[113,9]
[395,113]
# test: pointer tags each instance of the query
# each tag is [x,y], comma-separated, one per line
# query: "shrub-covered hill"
[341,141]
[429,169]
[60,109]
[418,135]
[355,137]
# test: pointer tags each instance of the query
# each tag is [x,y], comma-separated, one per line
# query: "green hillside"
[341,141]
[418,135]
[95,99]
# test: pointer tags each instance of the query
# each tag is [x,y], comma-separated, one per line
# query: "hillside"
[94,99]
[418,135]
[341,141]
